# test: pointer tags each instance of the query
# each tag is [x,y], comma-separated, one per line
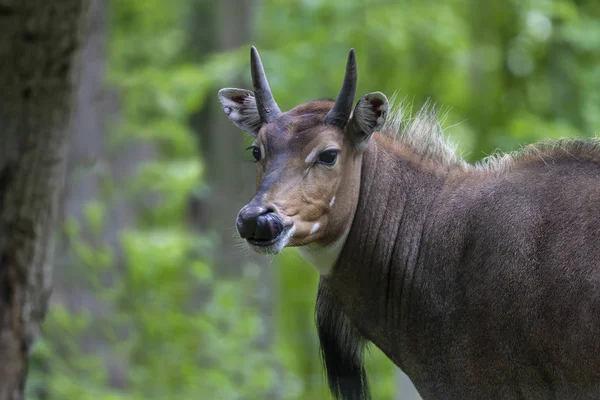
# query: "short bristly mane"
[547,151]
[424,135]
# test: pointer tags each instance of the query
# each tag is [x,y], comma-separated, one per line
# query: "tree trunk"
[38,42]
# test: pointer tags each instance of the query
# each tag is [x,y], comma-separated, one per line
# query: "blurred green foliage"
[506,73]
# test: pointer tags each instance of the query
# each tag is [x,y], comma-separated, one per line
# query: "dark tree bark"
[38,43]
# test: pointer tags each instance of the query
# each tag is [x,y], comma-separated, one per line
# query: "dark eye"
[256,153]
[328,157]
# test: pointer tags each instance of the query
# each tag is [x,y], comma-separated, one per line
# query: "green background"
[503,74]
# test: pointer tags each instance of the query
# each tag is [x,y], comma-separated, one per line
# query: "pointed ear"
[240,107]
[368,116]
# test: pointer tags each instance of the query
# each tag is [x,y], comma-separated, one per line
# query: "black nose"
[258,223]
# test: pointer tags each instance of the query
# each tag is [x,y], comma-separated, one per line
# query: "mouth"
[275,245]
[264,243]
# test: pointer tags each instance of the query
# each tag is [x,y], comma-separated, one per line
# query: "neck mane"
[422,135]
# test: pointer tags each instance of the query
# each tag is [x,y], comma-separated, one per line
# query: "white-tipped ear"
[240,107]
[368,116]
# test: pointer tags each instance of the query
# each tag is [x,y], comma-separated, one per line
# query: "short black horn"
[267,107]
[340,113]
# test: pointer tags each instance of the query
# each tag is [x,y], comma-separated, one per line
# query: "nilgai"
[479,281]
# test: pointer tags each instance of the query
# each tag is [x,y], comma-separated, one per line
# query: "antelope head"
[308,164]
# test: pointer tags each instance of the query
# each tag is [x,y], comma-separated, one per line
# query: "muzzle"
[259,225]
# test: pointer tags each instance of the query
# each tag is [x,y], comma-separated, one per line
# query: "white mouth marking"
[332,201]
[314,228]
[276,247]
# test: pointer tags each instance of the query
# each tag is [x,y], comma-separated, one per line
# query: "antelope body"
[478,281]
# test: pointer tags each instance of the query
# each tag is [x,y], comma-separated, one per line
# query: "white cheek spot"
[332,201]
[314,228]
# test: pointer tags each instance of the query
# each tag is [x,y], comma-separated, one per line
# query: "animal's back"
[513,283]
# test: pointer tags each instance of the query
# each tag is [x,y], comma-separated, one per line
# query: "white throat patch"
[323,258]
